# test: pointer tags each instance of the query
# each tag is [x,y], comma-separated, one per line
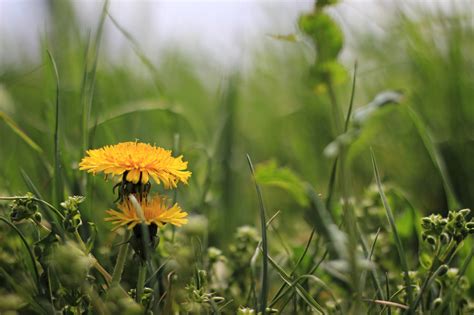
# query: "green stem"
[141,281]
[27,246]
[120,263]
[336,111]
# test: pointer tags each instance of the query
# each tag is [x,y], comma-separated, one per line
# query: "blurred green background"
[266,107]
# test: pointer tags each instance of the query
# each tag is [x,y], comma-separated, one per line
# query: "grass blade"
[24,293]
[332,178]
[398,241]
[87,94]
[263,221]
[300,259]
[437,159]
[299,289]
[351,102]
[32,187]
[57,179]
[373,271]
[322,221]
[17,130]
[140,54]
[30,252]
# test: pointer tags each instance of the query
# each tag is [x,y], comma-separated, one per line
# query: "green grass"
[313,238]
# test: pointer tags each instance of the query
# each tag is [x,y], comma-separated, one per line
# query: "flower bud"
[246,311]
[452,273]
[426,223]
[465,212]
[431,240]
[444,238]
[442,270]
[470,226]
[436,302]
[38,217]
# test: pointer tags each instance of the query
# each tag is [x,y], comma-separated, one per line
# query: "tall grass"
[327,247]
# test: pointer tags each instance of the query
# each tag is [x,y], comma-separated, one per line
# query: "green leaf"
[300,290]
[333,70]
[325,33]
[270,174]
[393,226]
[16,129]
[263,222]
[426,260]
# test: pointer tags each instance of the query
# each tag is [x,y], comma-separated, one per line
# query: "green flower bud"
[436,302]
[442,270]
[270,310]
[24,208]
[412,274]
[147,290]
[426,223]
[246,311]
[452,273]
[451,215]
[464,283]
[431,240]
[465,212]
[72,202]
[38,217]
[444,238]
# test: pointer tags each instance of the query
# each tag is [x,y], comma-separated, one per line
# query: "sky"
[224,31]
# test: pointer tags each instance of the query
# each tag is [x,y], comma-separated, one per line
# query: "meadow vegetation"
[298,185]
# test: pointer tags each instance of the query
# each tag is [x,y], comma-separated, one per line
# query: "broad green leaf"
[270,174]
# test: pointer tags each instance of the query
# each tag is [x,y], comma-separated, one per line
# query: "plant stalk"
[141,281]
[120,263]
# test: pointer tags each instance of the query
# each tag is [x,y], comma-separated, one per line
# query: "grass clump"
[350,209]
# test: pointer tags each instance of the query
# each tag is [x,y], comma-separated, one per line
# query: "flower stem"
[141,281]
[120,263]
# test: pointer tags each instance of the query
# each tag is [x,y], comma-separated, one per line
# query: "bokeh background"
[219,79]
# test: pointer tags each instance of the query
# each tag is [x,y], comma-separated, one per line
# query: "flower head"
[155,212]
[137,162]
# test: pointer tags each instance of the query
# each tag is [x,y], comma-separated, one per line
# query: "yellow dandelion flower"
[137,162]
[155,212]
